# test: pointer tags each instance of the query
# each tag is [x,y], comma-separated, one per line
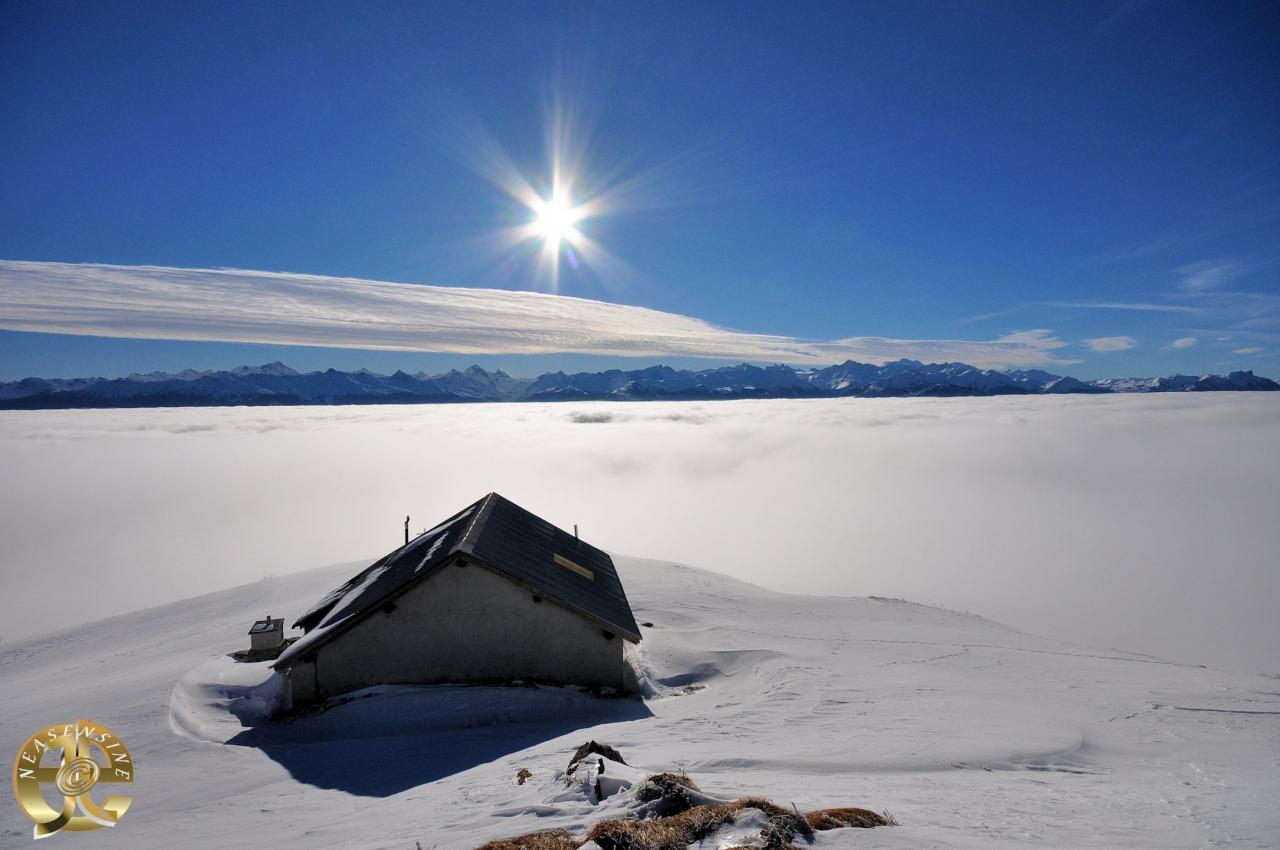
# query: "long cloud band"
[233,305]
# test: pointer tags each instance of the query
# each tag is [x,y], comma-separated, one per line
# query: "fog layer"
[1142,522]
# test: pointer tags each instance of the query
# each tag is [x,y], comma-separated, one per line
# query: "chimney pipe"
[575,531]
[406,531]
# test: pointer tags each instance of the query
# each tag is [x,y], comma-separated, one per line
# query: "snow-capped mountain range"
[276,383]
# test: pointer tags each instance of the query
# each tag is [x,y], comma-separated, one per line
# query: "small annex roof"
[268,624]
[494,533]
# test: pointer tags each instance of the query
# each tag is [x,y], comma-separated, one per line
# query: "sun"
[555,222]
[555,219]
[558,219]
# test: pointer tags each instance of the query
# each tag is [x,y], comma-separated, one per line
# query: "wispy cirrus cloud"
[1142,307]
[1137,306]
[982,317]
[233,305]
[1105,344]
[1210,274]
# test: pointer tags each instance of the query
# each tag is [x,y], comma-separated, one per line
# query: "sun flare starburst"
[554,220]
[557,220]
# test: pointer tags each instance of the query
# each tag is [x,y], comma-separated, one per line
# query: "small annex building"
[492,594]
[266,634]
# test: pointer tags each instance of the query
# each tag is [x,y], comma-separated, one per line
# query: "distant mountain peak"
[275,367]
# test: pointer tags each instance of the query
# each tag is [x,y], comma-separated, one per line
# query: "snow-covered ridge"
[276,383]
[970,733]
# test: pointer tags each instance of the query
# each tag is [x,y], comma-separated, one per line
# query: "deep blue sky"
[920,171]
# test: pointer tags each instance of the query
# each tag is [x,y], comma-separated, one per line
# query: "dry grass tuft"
[555,839]
[674,832]
[677,832]
[678,814]
[670,794]
[824,819]
[673,780]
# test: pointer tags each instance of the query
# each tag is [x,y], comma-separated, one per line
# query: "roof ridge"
[472,534]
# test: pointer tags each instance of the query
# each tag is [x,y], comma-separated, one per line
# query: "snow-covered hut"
[492,594]
[266,634]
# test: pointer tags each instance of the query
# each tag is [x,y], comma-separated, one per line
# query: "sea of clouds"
[1140,522]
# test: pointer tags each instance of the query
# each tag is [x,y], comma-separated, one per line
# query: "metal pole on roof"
[406,531]
[575,531]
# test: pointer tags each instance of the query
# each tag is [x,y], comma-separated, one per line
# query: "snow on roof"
[326,610]
[499,535]
[378,581]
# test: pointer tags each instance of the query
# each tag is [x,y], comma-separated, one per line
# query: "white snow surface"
[970,733]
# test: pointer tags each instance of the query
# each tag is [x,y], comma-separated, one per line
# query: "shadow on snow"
[387,740]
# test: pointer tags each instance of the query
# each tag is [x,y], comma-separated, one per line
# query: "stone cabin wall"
[463,624]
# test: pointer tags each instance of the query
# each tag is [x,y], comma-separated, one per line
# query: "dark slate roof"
[494,533]
[391,573]
[530,551]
